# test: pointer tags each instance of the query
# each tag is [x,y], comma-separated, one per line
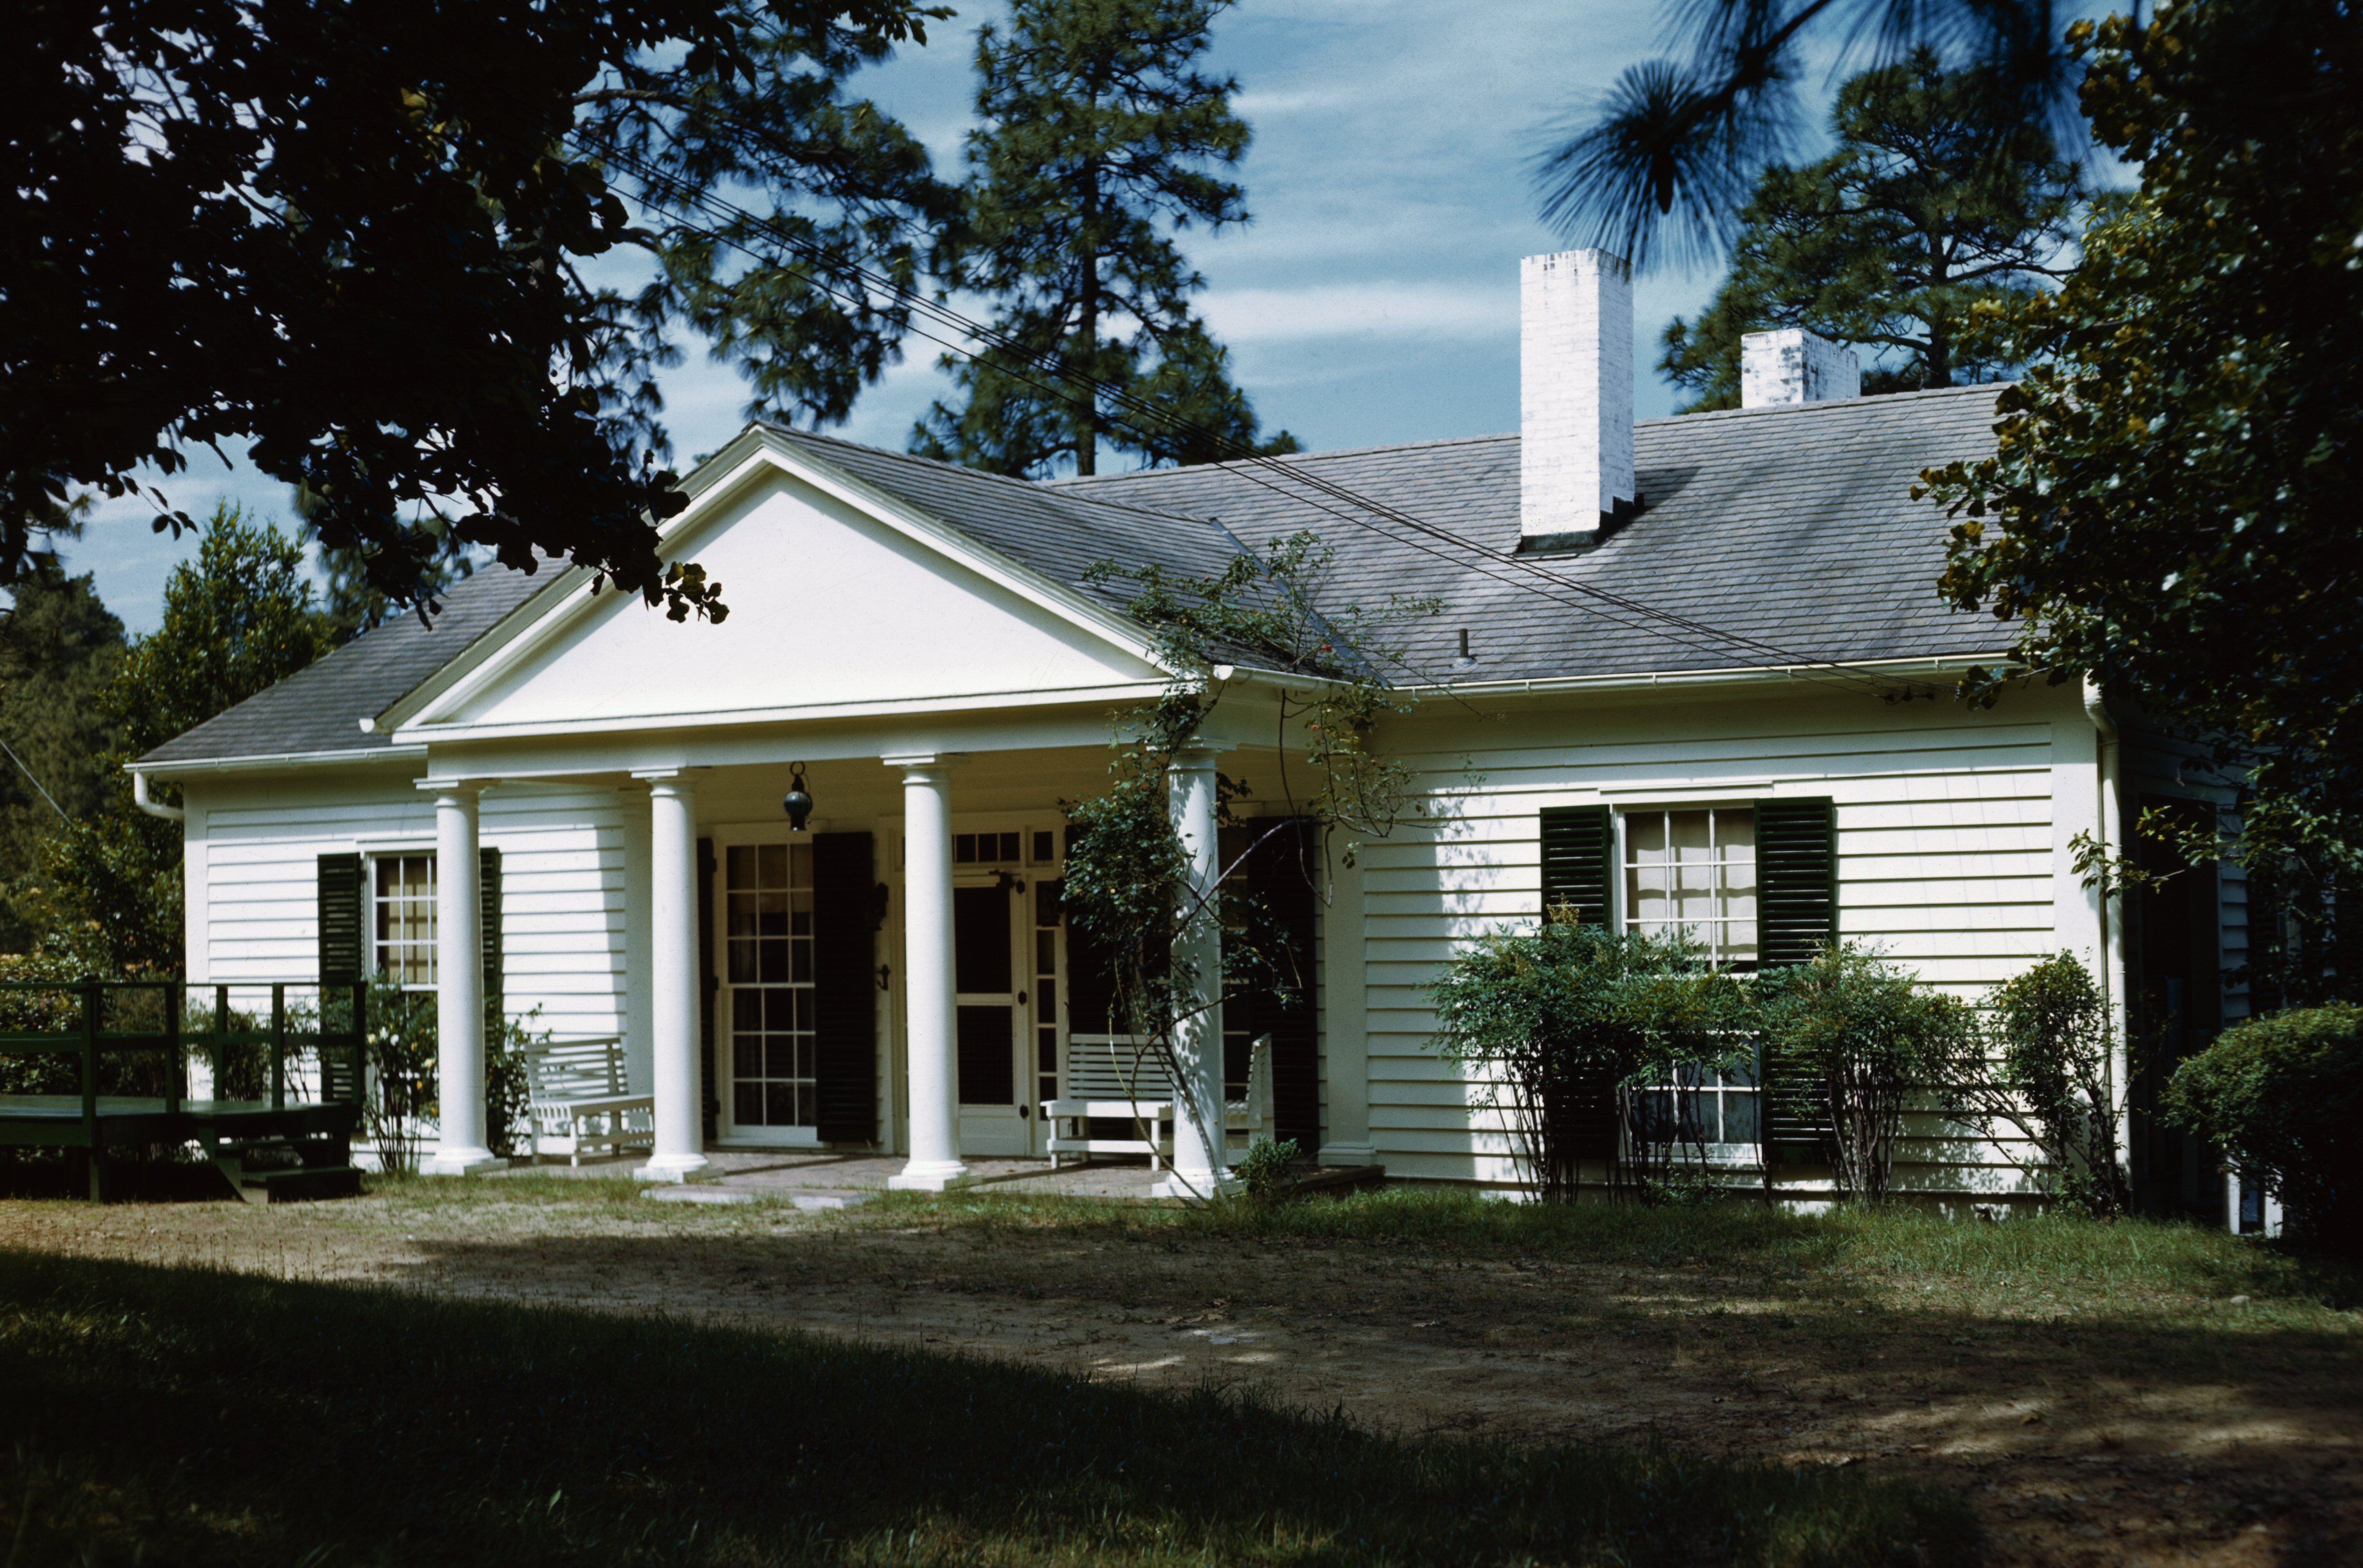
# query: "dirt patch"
[2082,1439]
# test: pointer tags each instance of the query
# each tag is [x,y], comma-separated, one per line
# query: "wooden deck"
[57,1121]
[294,1143]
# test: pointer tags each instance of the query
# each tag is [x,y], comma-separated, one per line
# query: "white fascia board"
[262,762]
[742,717]
[753,456]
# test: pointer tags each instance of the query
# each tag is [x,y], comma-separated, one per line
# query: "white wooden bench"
[576,1089]
[1115,1080]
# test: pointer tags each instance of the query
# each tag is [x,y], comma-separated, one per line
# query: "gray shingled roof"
[1792,527]
[1061,533]
[320,707]
[1787,533]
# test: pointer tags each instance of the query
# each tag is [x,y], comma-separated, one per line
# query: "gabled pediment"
[840,597]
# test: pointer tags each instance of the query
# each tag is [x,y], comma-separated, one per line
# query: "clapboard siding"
[1945,829]
[561,886]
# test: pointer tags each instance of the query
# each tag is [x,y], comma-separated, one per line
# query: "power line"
[1247,463]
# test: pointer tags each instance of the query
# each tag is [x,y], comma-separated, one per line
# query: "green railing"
[150,1019]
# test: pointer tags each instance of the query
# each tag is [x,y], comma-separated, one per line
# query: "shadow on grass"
[192,1417]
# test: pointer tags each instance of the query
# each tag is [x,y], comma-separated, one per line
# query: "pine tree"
[1102,138]
[60,647]
[1945,193]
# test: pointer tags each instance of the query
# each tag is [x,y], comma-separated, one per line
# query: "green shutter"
[1796,858]
[1281,869]
[710,986]
[340,895]
[1797,910]
[1579,851]
[488,907]
[845,986]
[1579,866]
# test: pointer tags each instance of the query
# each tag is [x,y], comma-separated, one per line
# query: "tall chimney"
[1792,365]
[1575,394]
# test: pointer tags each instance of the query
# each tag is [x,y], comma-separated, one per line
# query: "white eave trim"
[746,461]
[740,718]
[263,761]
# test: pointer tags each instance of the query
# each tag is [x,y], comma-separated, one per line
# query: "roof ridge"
[1035,488]
[1833,405]
[1282,458]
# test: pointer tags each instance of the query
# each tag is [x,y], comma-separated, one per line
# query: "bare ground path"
[2093,1425]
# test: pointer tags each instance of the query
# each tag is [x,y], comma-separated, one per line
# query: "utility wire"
[1247,463]
[36,783]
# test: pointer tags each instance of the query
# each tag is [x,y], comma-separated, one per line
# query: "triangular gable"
[840,597]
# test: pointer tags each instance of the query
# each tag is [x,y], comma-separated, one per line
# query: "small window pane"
[1646,831]
[1691,834]
[742,866]
[773,860]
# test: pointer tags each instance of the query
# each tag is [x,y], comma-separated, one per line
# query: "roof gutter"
[154,808]
[277,759]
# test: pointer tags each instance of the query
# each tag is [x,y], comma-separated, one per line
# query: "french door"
[769,1059]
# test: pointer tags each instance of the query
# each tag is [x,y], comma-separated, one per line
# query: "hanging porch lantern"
[798,801]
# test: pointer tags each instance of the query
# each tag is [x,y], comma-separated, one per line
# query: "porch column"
[1201,1166]
[461,1148]
[931,1023]
[638,1013]
[679,1153]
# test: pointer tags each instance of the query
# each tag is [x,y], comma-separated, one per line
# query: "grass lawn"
[181,1415]
[1023,1379]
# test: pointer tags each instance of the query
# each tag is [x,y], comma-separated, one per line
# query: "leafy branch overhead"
[1670,159]
[367,242]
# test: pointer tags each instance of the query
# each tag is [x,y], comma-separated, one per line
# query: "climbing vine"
[1128,892]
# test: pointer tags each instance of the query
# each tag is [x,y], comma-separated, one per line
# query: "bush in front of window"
[2281,1096]
[1561,1022]
[1866,1040]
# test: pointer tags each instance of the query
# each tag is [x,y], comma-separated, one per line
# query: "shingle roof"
[1783,536]
[320,707]
[1792,529]
[1061,533]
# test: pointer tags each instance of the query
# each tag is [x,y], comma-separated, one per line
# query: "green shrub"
[2052,1079]
[1563,1026]
[2281,1097]
[1263,1169]
[1868,1039]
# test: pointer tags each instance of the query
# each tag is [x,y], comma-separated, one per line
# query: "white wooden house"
[1667,650]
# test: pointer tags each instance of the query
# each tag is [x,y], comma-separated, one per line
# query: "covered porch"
[893,977]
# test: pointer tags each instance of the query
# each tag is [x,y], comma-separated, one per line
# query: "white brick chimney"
[1792,365]
[1575,393]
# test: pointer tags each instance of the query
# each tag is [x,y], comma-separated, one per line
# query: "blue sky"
[1373,300]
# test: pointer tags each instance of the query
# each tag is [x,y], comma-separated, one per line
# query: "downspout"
[2113,923]
[154,809]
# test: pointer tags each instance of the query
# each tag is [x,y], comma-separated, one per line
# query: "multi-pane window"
[1693,869]
[1703,1106]
[402,910]
[1047,915]
[768,891]
[986,848]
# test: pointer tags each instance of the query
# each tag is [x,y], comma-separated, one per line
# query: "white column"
[1345,1021]
[1201,1165]
[461,1148]
[636,1002]
[679,1153]
[933,1072]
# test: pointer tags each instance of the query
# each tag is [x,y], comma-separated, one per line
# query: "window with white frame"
[1693,869]
[402,909]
